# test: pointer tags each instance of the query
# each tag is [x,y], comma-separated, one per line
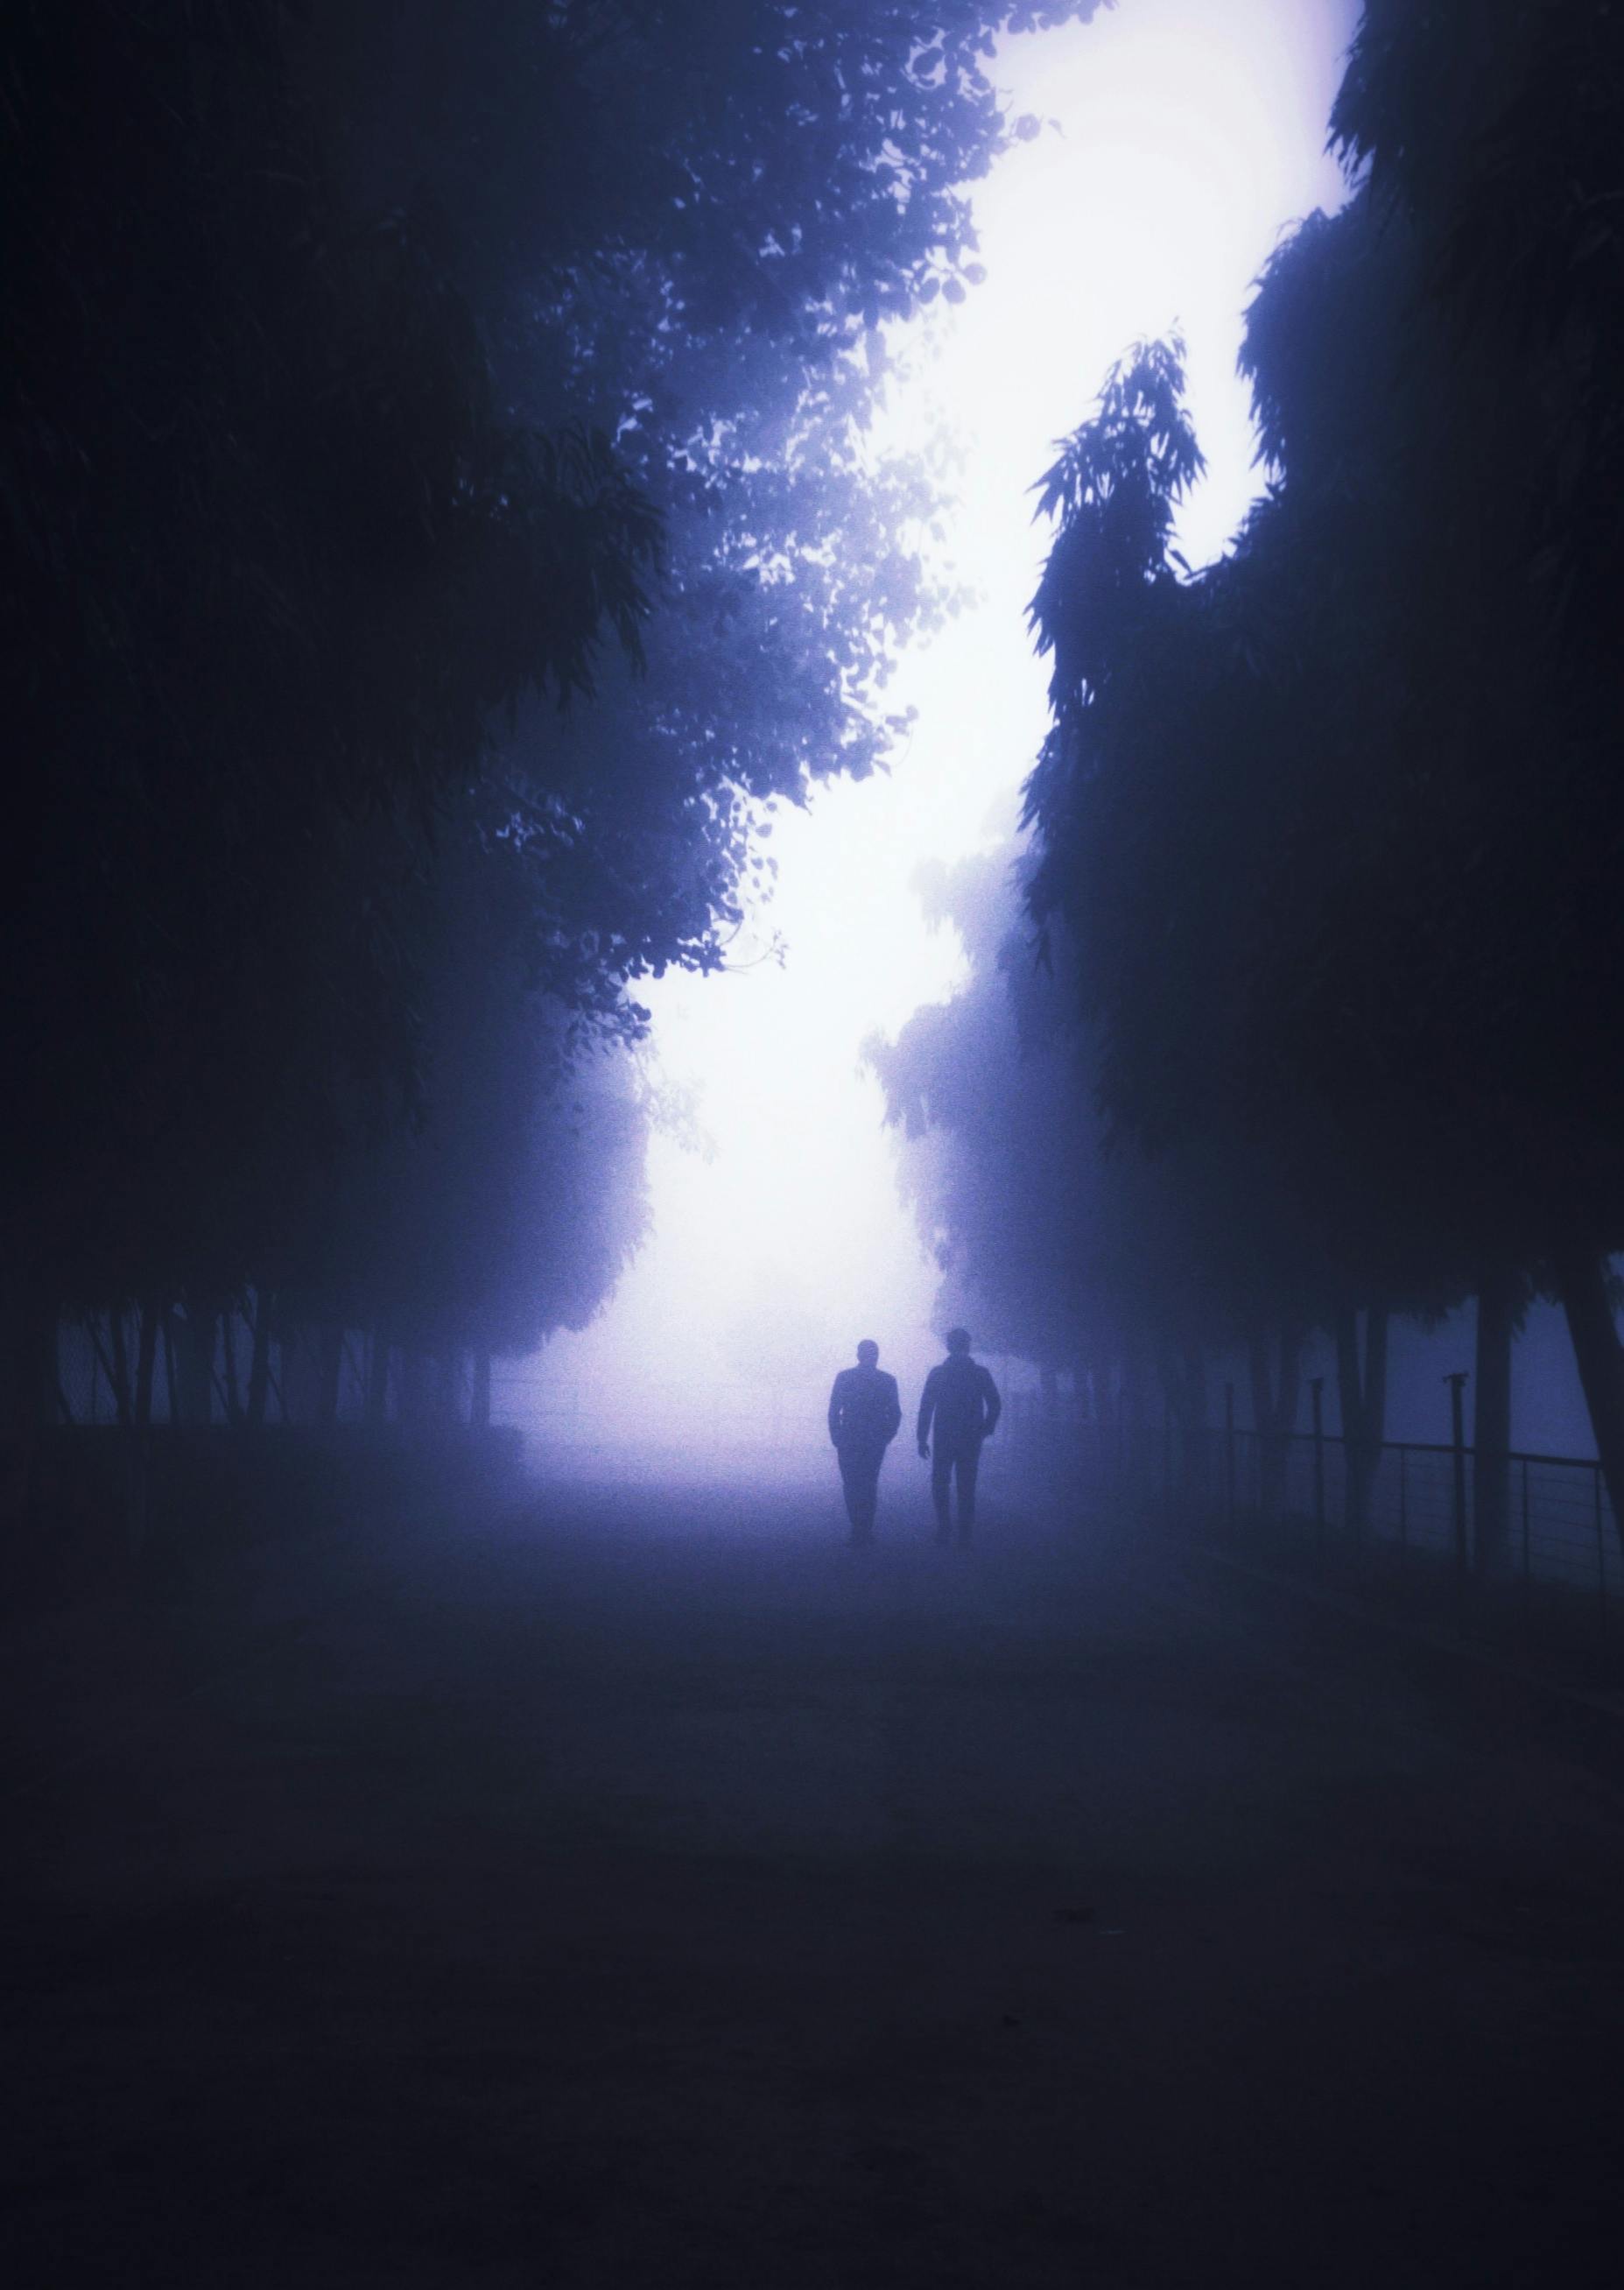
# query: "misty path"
[645,1890]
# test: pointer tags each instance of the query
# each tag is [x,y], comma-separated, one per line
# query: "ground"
[636,1889]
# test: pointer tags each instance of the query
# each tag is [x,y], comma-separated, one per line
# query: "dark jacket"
[964,1399]
[864,1408]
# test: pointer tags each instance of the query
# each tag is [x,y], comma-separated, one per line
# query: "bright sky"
[1189,133]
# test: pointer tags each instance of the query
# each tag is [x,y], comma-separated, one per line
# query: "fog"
[1179,139]
[812,1418]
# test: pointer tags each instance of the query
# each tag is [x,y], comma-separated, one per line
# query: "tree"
[1084,1255]
[392,385]
[279,555]
[1198,774]
[1334,824]
[1494,135]
[510,1207]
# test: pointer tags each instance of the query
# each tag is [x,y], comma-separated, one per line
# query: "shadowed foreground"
[656,1899]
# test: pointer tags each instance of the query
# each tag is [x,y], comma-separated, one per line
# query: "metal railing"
[1531,1556]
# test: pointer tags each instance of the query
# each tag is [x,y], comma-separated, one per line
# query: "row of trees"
[442,521]
[1327,836]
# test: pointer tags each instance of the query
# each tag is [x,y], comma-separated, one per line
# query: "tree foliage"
[431,430]
[1333,825]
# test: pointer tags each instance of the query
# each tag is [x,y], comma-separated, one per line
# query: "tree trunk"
[1134,1445]
[1497,1302]
[137,1456]
[294,1379]
[118,1371]
[479,1413]
[114,1365]
[227,1348]
[1275,1401]
[1184,1381]
[1276,1396]
[1581,1284]
[145,1358]
[195,1348]
[331,1369]
[378,1377]
[1262,1389]
[1376,1323]
[102,1358]
[259,1362]
[172,1373]
[1363,1396]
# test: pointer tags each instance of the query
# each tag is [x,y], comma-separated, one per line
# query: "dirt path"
[655,1894]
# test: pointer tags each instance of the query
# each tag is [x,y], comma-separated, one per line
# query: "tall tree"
[1359,773]
[386,379]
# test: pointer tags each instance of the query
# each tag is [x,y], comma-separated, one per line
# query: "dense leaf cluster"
[437,487]
[1329,833]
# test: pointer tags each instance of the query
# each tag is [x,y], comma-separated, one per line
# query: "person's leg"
[969,1462]
[851,1487]
[942,1468]
[871,1487]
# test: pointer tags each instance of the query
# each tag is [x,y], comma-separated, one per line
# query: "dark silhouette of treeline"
[1304,1011]
[439,530]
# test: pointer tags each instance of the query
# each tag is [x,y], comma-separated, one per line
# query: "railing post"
[1404,1504]
[1456,1419]
[1601,1556]
[1316,1390]
[1527,1574]
[1229,1453]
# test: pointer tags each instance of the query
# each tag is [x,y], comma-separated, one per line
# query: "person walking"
[865,1416]
[961,1403]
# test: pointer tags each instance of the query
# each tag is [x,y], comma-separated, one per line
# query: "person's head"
[958,1340]
[867,1353]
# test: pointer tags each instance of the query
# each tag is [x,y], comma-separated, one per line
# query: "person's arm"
[927,1408]
[893,1412]
[835,1411]
[993,1402]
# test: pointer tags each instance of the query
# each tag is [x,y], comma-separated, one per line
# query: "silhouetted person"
[865,1415]
[962,1400]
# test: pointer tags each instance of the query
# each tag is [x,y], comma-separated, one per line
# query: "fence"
[1531,1555]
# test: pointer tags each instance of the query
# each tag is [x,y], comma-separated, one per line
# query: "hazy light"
[1189,134]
